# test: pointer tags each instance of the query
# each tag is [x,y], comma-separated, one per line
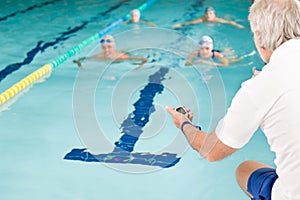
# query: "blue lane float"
[132,128]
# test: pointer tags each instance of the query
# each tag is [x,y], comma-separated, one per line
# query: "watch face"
[181,110]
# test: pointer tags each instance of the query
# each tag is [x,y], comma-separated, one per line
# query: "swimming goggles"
[106,41]
[205,43]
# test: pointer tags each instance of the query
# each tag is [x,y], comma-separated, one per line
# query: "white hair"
[277,21]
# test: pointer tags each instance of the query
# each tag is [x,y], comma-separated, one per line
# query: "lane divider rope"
[47,68]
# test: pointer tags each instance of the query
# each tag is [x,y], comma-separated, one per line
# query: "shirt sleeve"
[240,122]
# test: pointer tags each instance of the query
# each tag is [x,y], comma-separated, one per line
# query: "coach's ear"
[264,53]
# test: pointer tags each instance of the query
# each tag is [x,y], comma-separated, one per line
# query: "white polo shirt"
[271,101]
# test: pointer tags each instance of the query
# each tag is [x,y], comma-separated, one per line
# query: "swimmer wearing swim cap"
[108,39]
[108,46]
[206,54]
[206,41]
[135,15]
[110,53]
[206,48]
[135,18]
[209,9]
[210,16]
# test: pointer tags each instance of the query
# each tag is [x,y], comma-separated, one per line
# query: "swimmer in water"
[210,16]
[136,18]
[207,55]
[109,52]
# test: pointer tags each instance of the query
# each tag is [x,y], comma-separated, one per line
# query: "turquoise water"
[50,118]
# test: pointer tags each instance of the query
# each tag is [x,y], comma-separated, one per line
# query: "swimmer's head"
[135,12]
[108,45]
[210,13]
[206,41]
[108,39]
[135,15]
[209,9]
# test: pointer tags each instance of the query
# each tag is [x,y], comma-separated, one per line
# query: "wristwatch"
[188,122]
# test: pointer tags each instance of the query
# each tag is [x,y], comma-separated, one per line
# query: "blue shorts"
[260,183]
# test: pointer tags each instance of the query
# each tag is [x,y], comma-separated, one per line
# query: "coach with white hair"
[270,101]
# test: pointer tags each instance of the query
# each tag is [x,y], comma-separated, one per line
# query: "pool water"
[70,108]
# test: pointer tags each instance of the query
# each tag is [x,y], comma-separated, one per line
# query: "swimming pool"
[51,118]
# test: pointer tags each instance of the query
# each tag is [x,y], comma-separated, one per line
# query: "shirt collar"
[287,47]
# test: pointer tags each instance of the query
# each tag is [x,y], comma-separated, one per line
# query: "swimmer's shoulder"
[200,19]
[218,54]
[122,55]
[98,55]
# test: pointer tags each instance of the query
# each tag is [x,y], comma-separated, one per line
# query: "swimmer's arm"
[235,59]
[148,23]
[80,60]
[127,57]
[196,21]
[220,20]
[97,56]
[224,62]
[126,22]
[144,60]
[231,59]
[190,58]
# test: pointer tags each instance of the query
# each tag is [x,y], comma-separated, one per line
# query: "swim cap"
[209,9]
[108,39]
[135,12]
[206,41]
